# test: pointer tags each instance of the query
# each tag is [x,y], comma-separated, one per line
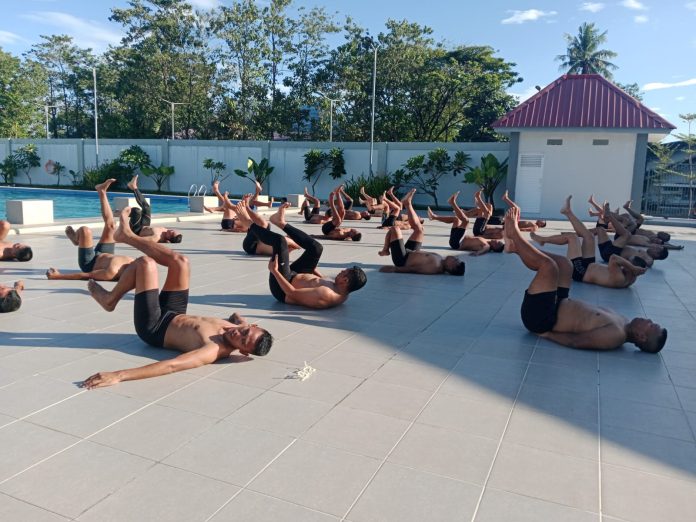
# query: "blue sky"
[654,39]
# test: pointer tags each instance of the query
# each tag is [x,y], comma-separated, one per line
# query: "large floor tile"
[346,363]
[13,509]
[323,386]
[639,416]
[163,493]
[406,495]
[211,397]
[387,399]
[560,402]
[503,506]
[248,506]
[446,452]
[229,452]
[75,480]
[154,432]
[642,497]
[357,431]
[483,418]
[280,413]
[306,474]
[34,393]
[413,375]
[547,476]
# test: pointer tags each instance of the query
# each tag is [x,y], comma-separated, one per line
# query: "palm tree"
[584,55]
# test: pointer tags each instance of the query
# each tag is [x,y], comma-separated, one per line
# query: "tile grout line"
[502,436]
[599,442]
[41,409]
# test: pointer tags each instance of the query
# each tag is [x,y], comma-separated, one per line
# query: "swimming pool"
[84,203]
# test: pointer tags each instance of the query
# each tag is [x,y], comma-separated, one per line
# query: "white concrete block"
[196,203]
[121,202]
[29,211]
[262,198]
[296,200]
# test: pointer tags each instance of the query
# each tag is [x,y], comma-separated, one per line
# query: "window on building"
[600,142]
[554,141]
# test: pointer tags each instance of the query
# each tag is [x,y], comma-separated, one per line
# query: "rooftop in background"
[585,101]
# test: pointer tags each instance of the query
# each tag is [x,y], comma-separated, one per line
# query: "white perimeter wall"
[579,168]
[287,157]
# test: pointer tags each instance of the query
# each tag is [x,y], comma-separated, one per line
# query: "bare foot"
[565,209]
[628,204]
[100,295]
[235,318]
[537,238]
[278,219]
[384,252]
[506,196]
[51,273]
[133,183]
[123,232]
[71,234]
[452,200]
[431,215]
[105,185]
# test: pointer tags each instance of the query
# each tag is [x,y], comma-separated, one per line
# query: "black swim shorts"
[86,257]
[580,265]
[400,251]
[152,313]
[456,235]
[480,226]
[606,250]
[540,311]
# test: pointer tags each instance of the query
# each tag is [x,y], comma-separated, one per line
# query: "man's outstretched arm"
[205,355]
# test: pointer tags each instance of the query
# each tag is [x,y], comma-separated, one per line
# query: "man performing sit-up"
[619,273]
[12,251]
[251,243]
[140,219]
[458,239]
[348,212]
[408,258]
[332,229]
[95,262]
[548,312]
[160,317]
[299,282]
[229,222]
[312,216]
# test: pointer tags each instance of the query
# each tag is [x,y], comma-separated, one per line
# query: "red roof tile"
[582,101]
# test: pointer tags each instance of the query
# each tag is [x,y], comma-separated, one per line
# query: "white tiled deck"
[430,401]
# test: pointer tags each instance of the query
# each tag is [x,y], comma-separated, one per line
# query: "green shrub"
[374,186]
[256,171]
[158,174]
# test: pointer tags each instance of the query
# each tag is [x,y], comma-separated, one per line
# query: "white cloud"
[530,15]
[634,4]
[592,7]
[204,4]
[660,85]
[85,33]
[8,38]
[680,98]
[655,109]
[640,19]
[525,95]
[690,5]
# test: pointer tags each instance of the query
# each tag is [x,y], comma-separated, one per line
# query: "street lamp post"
[173,104]
[46,107]
[96,116]
[332,101]
[372,122]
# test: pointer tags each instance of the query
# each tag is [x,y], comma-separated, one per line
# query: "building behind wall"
[580,135]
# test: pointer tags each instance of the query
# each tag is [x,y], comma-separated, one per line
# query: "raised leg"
[107,235]
[413,219]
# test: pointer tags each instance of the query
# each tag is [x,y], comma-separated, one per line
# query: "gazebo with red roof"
[580,135]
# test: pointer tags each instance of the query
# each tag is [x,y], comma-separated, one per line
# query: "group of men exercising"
[160,315]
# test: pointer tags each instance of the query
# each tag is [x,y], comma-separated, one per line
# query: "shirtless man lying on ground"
[299,282]
[313,216]
[374,206]
[409,258]
[349,214]
[12,251]
[332,229]
[10,297]
[633,222]
[393,217]
[229,222]
[618,246]
[619,273]
[160,317]
[251,243]
[95,262]
[140,219]
[458,239]
[548,312]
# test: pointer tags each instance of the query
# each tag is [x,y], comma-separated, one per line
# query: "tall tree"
[22,96]
[584,55]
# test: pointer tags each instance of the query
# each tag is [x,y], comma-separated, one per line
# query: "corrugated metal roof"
[582,101]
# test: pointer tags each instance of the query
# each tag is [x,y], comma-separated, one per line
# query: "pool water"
[84,204]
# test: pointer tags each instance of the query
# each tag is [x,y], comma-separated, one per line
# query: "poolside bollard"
[29,211]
